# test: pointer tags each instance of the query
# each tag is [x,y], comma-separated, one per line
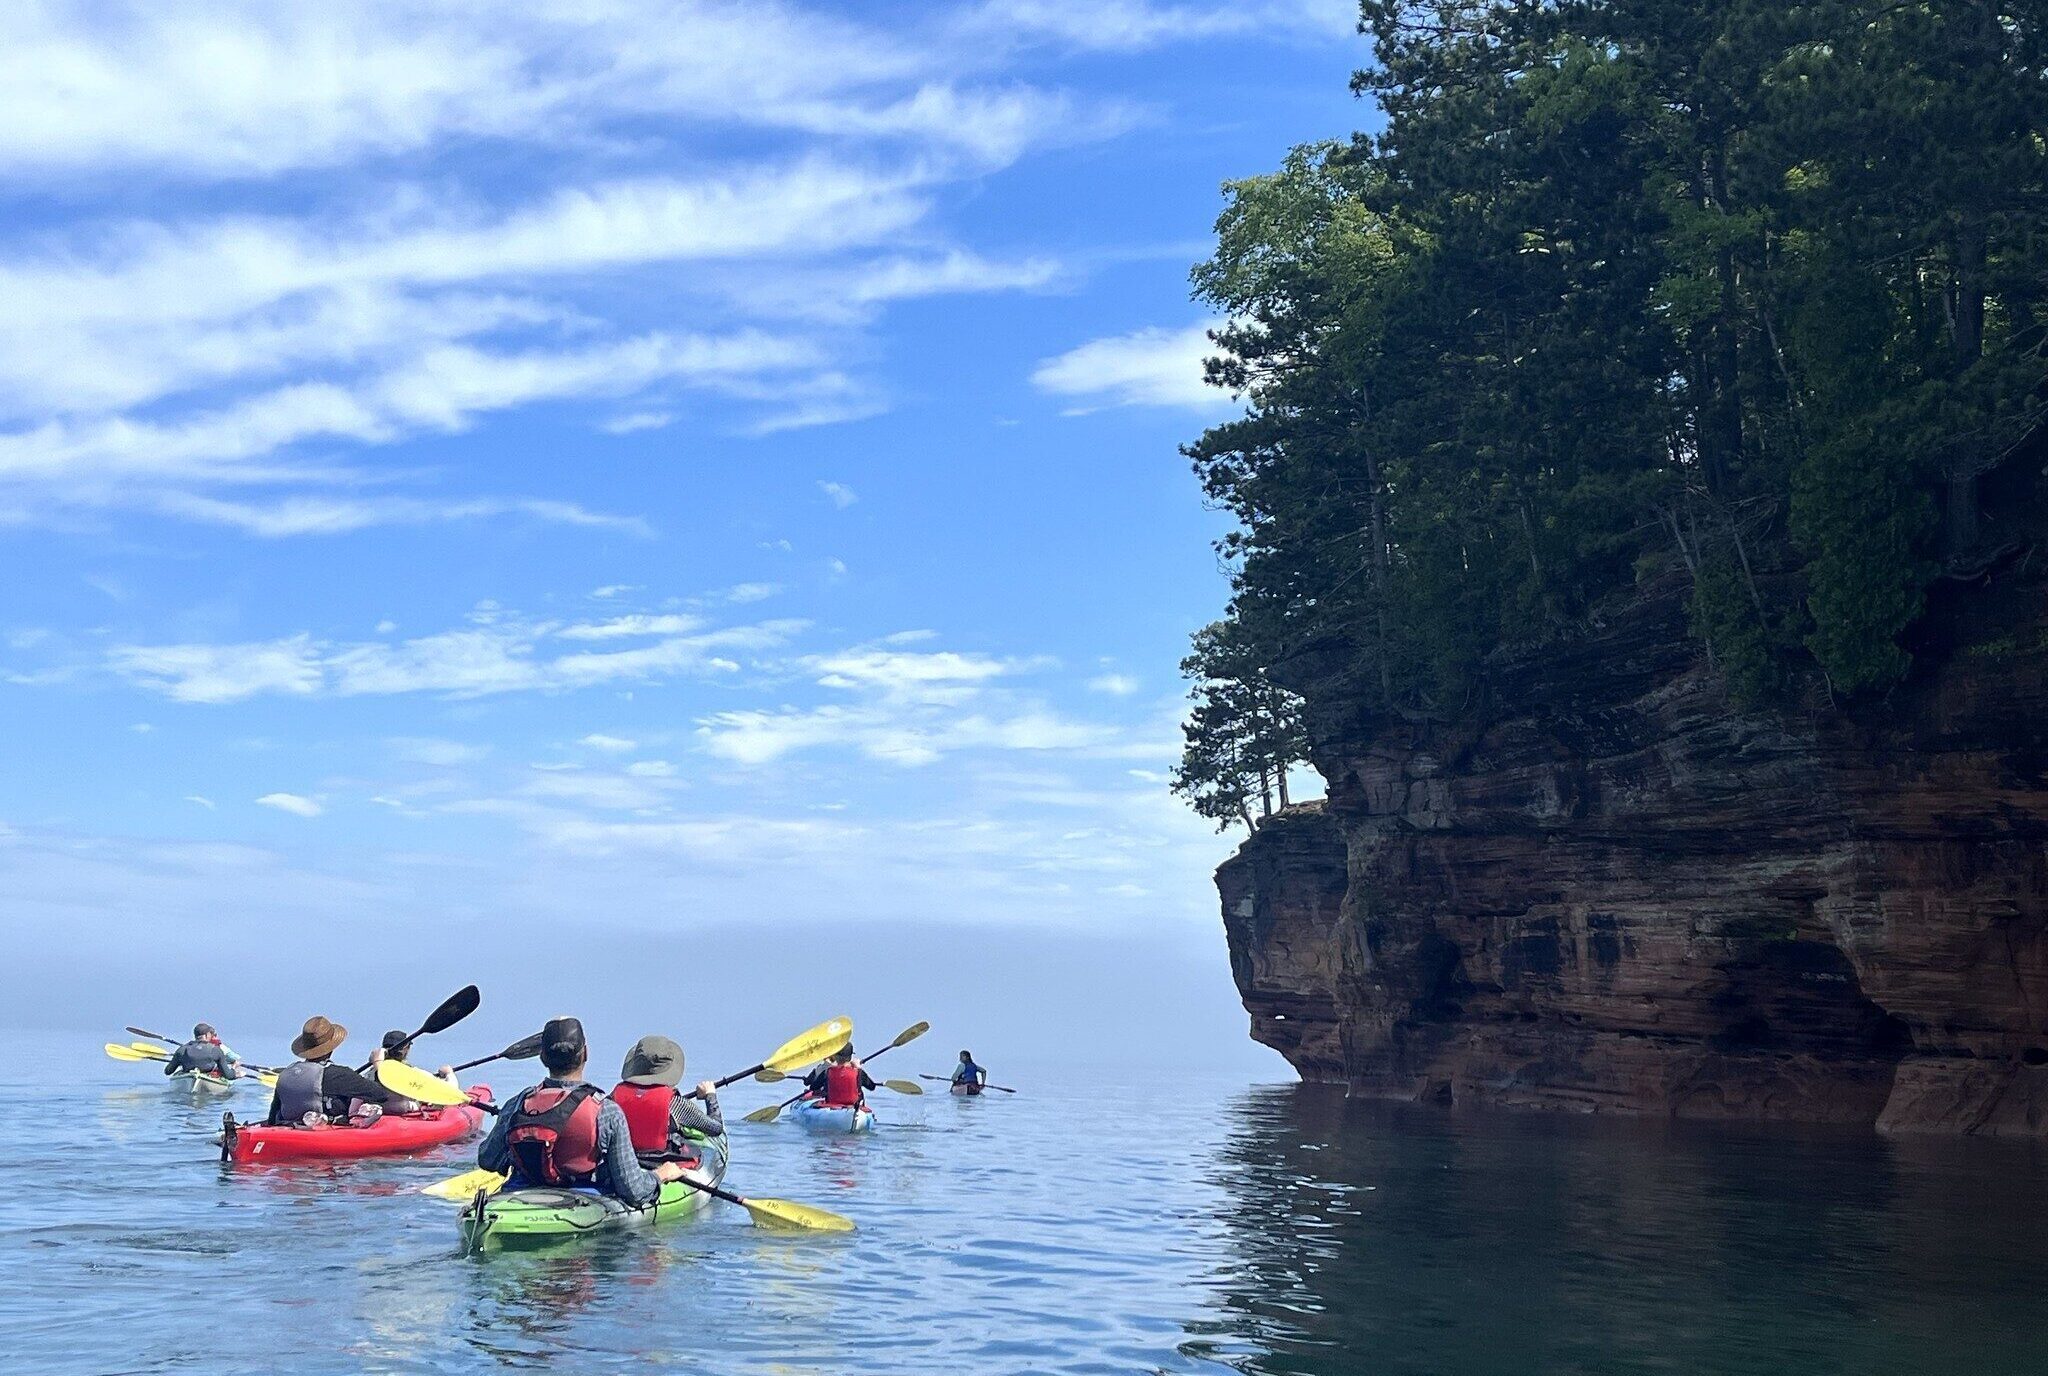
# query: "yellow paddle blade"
[462,1188]
[414,1083]
[149,1050]
[788,1214]
[903,1086]
[814,1045]
[266,1079]
[911,1033]
[121,1052]
[765,1115]
[769,1077]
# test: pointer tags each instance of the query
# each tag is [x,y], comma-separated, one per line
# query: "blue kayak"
[817,1118]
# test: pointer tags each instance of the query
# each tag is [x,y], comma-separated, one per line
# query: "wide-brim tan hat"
[318,1038]
[653,1061]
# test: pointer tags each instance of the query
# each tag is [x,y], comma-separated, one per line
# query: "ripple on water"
[1140,1229]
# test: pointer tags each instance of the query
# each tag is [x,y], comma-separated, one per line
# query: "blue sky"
[483,480]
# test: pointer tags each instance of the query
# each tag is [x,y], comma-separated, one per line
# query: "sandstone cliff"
[1612,892]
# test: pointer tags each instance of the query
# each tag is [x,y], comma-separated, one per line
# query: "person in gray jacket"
[205,1054]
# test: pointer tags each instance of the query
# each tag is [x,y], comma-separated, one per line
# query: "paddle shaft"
[453,1009]
[984,1084]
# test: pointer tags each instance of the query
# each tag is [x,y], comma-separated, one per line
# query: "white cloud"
[741,593]
[651,769]
[623,627]
[341,515]
[222,673]
[1130,25]
[1149,367]
[291,802]
[500,654]
[839,494]
[901,671]
[635,422]
[611,745]
[433,751]
[144,86]
[206,803]
[612,792]
[1116,685]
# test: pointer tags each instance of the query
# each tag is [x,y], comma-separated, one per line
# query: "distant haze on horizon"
[673,514]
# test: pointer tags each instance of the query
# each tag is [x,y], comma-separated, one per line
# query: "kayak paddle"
[984,1084]
[785,1214]
[157,1053]
[263,1075]
[414,1083]
[907,1035]
[453,1009]
[153,1036]
[900,1086]
[782,1214]
[464,1186]
[815,1044]
[525,1049]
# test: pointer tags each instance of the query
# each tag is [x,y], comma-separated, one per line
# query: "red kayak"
[392,1135]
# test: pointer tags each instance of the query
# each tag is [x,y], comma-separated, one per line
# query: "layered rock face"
[1613,892]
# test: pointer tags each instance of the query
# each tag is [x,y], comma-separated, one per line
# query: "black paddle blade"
[525,1049]
[458,1006]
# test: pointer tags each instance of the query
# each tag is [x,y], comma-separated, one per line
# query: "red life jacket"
[646,1109]
[553,1135]
[842,1085]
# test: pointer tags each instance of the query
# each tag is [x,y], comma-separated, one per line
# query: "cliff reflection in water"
[1383,1239]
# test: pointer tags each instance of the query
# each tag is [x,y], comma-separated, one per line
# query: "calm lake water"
[1083,1226]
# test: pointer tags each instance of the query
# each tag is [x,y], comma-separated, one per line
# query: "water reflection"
[1391,1240]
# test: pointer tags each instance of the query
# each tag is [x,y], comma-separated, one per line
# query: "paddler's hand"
[377,1056]
[704,1090]
[668,1171]
[447,1072]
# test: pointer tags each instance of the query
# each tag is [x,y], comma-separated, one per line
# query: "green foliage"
[1242,735]
[1758,284]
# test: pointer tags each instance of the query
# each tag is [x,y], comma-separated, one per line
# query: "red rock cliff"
[1612,892]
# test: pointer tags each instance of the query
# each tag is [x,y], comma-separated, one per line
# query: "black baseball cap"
[561,1044]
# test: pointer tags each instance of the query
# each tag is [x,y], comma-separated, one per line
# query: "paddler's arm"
[492,1153]
[342,1082]
[867,1081]
[684,1116]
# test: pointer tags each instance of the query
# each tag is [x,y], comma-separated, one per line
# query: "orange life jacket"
[646,1109]
[842,1085]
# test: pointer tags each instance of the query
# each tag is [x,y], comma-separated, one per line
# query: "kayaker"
[968,1073]
[312,1089]
[841,1081]
[665,1125]
[396,1044]
[564,1131]
[205,1054]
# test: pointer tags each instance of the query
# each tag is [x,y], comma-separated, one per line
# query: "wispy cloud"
[1148,367]
[839,494]
[503,656]
[293,803]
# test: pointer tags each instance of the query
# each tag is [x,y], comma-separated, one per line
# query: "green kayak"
[540,1216]
[197,1082]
